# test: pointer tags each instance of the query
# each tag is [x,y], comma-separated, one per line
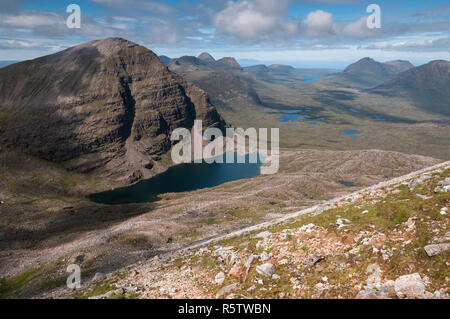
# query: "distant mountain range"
[225,80]
[428,86]
[107,105]
[230,85]
[204,62]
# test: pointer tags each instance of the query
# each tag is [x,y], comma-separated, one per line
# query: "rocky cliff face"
[107,105]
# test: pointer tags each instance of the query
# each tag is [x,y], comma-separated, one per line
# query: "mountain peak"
[105,99]
[230,62]
[108,46]
[205,56]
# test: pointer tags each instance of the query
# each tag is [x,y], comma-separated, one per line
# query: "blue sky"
[306,33]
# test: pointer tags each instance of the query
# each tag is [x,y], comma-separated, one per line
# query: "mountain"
[427,86]
[224,80]
[107,106]
[165,59]
[369,69]
[367,73]
[228,63]
[206,57]
[281,68]
[400,65]
[205,62]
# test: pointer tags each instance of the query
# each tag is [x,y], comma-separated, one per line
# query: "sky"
[303,33]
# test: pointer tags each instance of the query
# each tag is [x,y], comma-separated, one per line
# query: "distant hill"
[367,73]
[399,65]
[204,62]
[165,59]
[371,71]
[428,86]
[224,80]
[281,74]
[272,72]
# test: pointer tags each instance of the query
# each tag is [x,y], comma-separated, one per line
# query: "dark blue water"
[345,183]
[353,110]
[309,78]
[350,132]
[379,118]
[289,118]
[180,178]
[290,111]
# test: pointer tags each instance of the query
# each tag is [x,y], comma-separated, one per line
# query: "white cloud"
[357,29]
[137,6]
[318,23]
[438,44]
[30,20]
[253,19]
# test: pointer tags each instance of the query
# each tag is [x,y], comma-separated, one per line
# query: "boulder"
[436,249]
[266,270]
[410,286]
[98,276]
[443,186]
[415,182]
[312,260]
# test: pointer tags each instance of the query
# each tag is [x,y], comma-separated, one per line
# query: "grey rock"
[415,182]
[410,286]
[263,234]
[120,291]
[367,293]
[248,265]
[225,290]
[424,197]
[436,249]
[267,269]
[98,276]
[443,186]
[220,278]
[264,256]
[374,280]
[312,260]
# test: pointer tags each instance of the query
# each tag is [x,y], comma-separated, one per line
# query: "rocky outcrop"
[107,106]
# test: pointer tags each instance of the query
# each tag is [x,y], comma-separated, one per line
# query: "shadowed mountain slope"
[367,73]
[107,105]
[427,85]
